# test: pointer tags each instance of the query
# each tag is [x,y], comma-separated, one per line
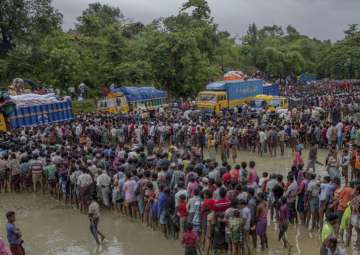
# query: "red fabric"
[221,205]
[189,239]
[17,249]
[226,177]
[207,206]
[181,210]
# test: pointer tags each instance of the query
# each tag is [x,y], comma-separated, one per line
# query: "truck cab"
[212,100]
[270,103]
[113,103]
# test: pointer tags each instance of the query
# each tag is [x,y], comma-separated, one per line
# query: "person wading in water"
[94,216]
[14,235]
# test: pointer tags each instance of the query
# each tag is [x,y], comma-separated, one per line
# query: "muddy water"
[50,228]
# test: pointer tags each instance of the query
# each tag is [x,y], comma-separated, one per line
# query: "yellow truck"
[113,103]
[125,99]
[270,103]
[3,127]
[228,94]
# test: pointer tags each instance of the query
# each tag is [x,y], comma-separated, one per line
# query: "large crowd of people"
[163,170]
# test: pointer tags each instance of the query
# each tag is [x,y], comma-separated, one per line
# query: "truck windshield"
[259,103]
[207,97]
[275,102]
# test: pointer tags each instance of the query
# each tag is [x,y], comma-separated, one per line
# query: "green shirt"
[327,231]
[88,157]
[50,171]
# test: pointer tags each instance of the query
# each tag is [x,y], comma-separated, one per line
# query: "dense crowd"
[162,170]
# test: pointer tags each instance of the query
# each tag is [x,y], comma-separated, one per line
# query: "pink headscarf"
[3,249]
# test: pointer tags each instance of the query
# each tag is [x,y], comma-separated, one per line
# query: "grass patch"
[85,106]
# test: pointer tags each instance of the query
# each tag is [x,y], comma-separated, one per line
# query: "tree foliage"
[180,53]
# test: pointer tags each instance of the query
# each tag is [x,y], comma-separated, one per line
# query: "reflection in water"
[50,228]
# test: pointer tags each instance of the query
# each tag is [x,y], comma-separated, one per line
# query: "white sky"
[324,19]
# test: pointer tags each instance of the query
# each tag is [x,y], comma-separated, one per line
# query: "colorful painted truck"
[228,94]
[125,99]
[269,103]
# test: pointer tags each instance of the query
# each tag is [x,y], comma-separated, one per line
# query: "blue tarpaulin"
[307,77]
[134,94]
[271,90]
[220,85]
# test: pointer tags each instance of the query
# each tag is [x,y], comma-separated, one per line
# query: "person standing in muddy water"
[94,217]
[261,220]
[14,235]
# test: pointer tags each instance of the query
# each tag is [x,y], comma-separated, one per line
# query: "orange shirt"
[344,198]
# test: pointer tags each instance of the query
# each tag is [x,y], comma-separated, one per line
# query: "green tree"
[26,21]
[352,30]
[200,8]
[98,17]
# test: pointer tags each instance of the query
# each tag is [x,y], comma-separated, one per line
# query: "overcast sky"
[324,19]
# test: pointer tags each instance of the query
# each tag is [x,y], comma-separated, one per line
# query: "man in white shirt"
[181,191]
[103,182]
[262,140]
[78,131]
[84,182]
[339,129]
[94,217]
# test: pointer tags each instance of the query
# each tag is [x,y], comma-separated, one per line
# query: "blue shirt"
[162,202]
[12,236]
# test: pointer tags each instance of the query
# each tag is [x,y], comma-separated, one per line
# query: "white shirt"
[339,128]
[246,214]
[103,180]
[84,180]
[178,194]
[78,130]
[262,136]
[94,209]
[74,176]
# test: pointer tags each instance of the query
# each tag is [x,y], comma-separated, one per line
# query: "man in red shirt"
[234,173]
[226,178]
[223,203]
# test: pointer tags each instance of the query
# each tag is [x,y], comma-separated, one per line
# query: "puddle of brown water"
[50,228]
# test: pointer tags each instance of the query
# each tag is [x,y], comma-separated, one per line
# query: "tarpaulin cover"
[41,114]
[34,99]
[219,85]
[307,78]
[222,85]
[271,89]
[133,94]
[238,89]
[234,76]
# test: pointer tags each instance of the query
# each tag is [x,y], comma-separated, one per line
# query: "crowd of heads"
[164,169]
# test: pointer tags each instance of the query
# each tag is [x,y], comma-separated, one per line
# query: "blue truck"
[40,114]
[271,89]
[228,94]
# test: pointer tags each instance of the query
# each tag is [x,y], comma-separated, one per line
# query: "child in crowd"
[190,241]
